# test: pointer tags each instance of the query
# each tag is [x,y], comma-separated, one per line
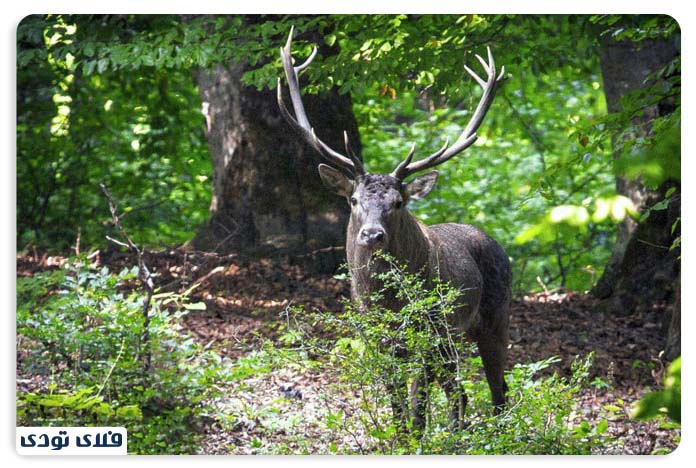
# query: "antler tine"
[468,136]
[359,169]
[307,62]
[300,122]
[406,167]
[399,172]
[475,76]
[483,63]
[502,74]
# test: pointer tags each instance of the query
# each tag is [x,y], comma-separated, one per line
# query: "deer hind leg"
[493,351]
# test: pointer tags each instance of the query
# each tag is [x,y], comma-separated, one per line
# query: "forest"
[223,245]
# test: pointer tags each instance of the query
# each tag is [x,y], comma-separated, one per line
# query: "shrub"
[85,328]
[377,347]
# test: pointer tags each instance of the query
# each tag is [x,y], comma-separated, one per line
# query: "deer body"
[458,254]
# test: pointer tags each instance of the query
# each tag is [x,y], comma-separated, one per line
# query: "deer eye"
[398,205]
[353,201]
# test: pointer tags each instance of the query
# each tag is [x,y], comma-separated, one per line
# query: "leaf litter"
[284,410]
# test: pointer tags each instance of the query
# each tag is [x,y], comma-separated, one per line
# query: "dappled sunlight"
[181,264]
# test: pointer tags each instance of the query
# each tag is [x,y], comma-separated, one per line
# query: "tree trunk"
[643,268]
[673,346]
[267,193]
[625,68]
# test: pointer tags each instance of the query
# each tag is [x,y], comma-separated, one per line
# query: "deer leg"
[456,397]
[419,399]
[493,351]
[399,402]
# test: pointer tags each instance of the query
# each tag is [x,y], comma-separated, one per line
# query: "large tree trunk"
[266,190]
[642,269]
[673,345]
[625,68]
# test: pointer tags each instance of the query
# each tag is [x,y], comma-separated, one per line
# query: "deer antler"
[300,123]
[468,136]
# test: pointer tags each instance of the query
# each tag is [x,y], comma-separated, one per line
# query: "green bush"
[378,347]
[84,329]
[665,402]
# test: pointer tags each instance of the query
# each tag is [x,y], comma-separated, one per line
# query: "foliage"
[542,418]
[139,133]
[85,329]
[664,402]
[646,151]
[567,220]
[637,28]
[113,98]
[381,347]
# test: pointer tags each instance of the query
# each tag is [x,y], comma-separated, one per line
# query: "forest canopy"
[113,99]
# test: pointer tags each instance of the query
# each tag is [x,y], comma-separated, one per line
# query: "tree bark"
[643,268]
[673,346]
[267,193]
[625,67]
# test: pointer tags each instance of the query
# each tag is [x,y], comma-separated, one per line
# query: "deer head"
[378,201]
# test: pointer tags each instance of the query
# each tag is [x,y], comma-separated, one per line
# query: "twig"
[118,242]
[653,245]
[533,133]
[144,274]
[113,366]
[559,261]
[149,206]
[76,248]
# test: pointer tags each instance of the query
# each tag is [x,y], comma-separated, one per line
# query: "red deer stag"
[459,254]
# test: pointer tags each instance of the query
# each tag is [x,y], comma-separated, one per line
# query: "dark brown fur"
[460,254]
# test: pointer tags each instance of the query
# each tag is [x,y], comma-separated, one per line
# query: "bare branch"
[144,274]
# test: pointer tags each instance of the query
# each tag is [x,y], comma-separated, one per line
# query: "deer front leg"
[456,398]
[399,402]
[419,400]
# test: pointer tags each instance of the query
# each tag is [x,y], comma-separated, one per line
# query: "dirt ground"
[246,301]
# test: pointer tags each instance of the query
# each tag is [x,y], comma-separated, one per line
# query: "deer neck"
[411,244]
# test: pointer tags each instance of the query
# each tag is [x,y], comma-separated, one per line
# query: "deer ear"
[421,186]
[335,180]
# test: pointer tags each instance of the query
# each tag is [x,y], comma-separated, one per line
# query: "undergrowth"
[377,347]
[83,330]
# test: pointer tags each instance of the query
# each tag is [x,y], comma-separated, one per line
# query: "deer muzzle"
[372,237]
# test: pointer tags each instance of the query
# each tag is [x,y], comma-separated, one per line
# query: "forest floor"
[247,302]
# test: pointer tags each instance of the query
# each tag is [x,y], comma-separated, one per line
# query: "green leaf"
[650,406]
[88,49]
[102,65]
[129,412]
[611,407]
[602,426]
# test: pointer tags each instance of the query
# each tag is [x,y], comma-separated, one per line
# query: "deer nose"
[372,236]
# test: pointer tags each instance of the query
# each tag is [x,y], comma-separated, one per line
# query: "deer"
[461,255]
